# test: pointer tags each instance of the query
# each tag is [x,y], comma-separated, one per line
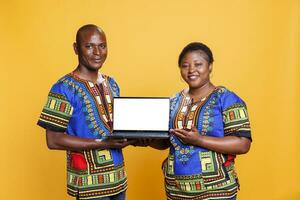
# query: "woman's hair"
[196,46]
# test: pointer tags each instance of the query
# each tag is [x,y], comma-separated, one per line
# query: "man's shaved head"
[87,28]
[90,47]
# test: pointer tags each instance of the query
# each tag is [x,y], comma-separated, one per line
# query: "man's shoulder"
[65,77]
[62,82]
[110,79]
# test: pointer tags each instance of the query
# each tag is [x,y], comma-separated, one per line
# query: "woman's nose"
[191,68]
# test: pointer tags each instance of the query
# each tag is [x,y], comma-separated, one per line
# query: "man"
[78,117]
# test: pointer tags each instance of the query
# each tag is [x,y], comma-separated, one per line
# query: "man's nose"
[97,50]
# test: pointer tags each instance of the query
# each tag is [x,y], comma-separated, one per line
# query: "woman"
[209,125]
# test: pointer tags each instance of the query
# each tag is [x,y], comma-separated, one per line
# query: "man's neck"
[86,74]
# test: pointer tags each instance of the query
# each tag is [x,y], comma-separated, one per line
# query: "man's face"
[91,49]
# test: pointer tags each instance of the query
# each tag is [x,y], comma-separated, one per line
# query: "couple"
[209,125]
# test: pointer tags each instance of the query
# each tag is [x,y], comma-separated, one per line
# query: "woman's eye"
[198,64]
[184,66]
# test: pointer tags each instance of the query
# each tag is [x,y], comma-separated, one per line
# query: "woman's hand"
[187,136]
[226,145]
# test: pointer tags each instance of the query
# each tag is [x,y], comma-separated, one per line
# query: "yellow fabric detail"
[52,103]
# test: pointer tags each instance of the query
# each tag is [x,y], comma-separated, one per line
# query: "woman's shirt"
[192,168]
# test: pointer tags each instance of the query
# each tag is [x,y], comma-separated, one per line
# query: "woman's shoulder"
[177,96]
[227,97]
[174,99]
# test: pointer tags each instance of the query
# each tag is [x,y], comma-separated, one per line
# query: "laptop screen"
[141,114]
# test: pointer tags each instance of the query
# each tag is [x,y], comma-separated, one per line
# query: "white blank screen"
[149,114]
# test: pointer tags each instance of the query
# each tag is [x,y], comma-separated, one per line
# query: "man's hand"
[115,143]
[63,141]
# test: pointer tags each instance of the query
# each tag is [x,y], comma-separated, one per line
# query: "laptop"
[141,117]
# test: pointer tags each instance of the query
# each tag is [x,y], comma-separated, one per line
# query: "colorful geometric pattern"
[193,172]
[236,120]
[111,183]
[208,120]
[106,107]
[215,182]
[57,112]
[103,103]
[186,117]
[84,109]
[99,161]
[187,112]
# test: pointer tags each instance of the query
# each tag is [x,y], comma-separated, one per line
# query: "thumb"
[194,129]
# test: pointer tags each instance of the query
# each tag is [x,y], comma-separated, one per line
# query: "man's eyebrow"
[91,43]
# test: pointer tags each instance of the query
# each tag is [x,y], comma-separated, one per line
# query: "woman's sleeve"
[235,116]
[114,86]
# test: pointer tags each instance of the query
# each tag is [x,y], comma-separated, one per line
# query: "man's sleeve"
[235,117]
[56,112]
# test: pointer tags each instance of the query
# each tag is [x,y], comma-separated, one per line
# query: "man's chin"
[94,67]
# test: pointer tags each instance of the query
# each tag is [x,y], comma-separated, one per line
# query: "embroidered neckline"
[186,96]
[187,116]
[102,99]
[99,80]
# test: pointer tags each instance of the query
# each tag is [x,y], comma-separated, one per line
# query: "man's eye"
[88,46]
[103,46]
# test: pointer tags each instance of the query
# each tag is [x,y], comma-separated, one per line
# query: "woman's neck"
[201,92]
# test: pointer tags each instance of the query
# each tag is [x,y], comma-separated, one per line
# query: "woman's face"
[195,69]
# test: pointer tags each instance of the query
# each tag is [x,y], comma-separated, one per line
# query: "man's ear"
[75,48]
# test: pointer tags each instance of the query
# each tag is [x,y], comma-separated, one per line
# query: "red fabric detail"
[230,159]
[79,181]
[198,185]
[100,179]
[78,161]
[231,115]
[62,107]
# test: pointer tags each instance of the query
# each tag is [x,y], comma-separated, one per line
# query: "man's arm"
[62,141]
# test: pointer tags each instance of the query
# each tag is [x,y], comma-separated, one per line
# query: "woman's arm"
[62,141]
[226,145]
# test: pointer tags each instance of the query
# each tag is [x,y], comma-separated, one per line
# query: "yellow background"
[257,54]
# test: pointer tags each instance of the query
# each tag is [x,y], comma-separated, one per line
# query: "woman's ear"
[210,67]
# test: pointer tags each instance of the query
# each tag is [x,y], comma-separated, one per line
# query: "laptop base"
[140,134]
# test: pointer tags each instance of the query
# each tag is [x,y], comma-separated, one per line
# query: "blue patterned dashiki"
[193,172]
[81,108]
